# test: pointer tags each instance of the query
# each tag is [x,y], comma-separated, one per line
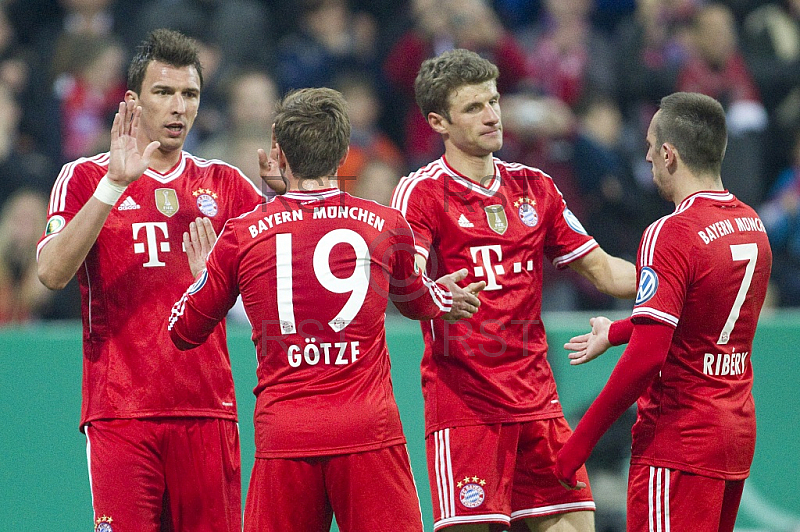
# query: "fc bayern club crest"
[472,494]
[527,211]
[206,201]
[103,524]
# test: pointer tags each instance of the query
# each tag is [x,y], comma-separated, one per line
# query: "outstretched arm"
[611,275]
[637,367]
[61,257]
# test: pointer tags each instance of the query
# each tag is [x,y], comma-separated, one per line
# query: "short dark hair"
[440,76]
[695,124]
[313,131]
[167,46]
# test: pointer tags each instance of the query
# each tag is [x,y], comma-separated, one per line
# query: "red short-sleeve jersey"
[493,367]
[131,277]
[315,271]
[704,270]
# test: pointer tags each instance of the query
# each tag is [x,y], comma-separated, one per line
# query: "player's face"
[655,156]
[169,98]
[475,127]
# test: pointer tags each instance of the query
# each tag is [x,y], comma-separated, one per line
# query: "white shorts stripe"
[89,463]
[443,467]
[450,482]
[666,501]
[658,500]
[438,464]
[650,500]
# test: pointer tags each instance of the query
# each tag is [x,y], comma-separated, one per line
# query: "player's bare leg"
[568,522]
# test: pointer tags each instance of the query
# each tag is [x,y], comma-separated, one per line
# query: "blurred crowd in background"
[580,80]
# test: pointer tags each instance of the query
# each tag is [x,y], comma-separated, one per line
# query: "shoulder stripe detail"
[58,196]
[651,233]
[199,161]
[649,241]
[514,167]
[402,192]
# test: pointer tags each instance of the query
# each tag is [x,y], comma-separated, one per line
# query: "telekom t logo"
[489,269]
[151,246]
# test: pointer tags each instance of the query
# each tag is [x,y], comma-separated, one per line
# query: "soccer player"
[703,273]
[492,413]
[162,440]
[315,268]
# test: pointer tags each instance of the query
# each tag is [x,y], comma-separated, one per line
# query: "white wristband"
[108,192]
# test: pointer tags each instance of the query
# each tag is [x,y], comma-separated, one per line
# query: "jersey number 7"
[748,252]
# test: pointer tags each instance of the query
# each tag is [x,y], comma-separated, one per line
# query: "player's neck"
[309,184]
[476,168]
[163,161]
[693,185]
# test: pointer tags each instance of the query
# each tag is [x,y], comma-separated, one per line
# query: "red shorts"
[148,475]
[668,499]
[500,473]
[367,491]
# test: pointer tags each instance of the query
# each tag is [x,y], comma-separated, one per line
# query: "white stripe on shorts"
[658,500]
[444,474]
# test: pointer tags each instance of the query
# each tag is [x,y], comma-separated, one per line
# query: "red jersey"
[704,271]
[493,367]
[315,271]
[131,277]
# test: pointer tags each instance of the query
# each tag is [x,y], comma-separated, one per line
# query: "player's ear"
[437,122]
[131,96]
[279,155]
[341,161]
[670,155]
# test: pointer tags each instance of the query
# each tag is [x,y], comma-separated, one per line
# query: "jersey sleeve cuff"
[563,260]
[620,331]
[656,315]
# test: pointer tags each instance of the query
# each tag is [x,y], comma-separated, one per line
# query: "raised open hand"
[198,242]
[268,167]
[125,163]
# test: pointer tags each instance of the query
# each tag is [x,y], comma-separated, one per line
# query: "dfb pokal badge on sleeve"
[167,201]
[496,217]
[103,524]
[472,494]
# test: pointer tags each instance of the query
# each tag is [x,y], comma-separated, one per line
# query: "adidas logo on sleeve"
[128,205]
